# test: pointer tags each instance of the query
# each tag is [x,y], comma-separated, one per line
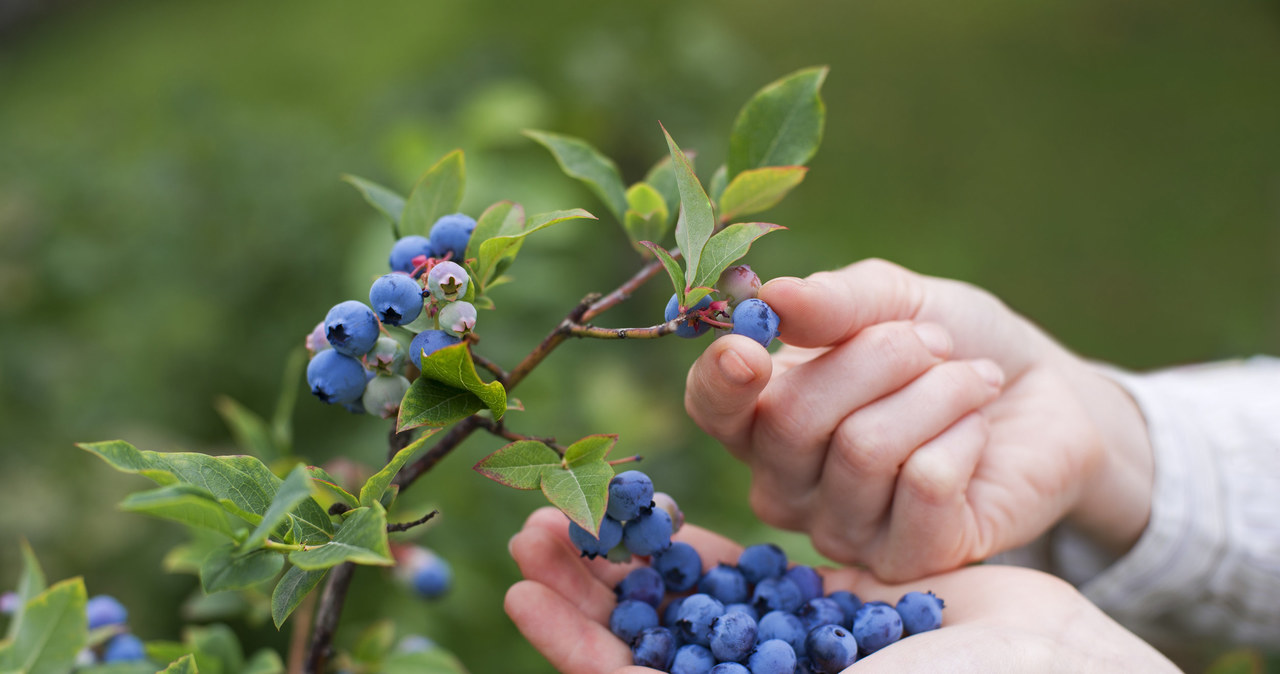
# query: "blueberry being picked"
[629,491]
[685,329]
[757,320]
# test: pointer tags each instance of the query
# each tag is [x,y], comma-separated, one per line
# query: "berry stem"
[282,547]
[628,459]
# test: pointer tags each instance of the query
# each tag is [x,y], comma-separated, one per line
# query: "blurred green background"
[172,224]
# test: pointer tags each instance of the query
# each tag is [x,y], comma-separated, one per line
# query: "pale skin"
[997,619]
[913,424]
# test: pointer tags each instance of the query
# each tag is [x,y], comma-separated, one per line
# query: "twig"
[330,608]
[405,526]
[500,429]
[492,367]
[651,332]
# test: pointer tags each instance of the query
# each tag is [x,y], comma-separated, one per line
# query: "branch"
[447,443]
[651,332]
[626,289]
[330,608]
[492,367]
[405,526]
[499,429]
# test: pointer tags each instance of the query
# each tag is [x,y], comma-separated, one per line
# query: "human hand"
[915,424]
[997,618]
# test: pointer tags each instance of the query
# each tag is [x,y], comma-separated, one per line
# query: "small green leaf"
[216,649]
[671,266]
[377,484]
[434,661]
[503,247]
[328,483]
[251,432]
[728,246]
[430,403]
[588,449]
[504,217]
[756,190]
[373,644]
[438,193]
[226,569]
[293,587]
[453,367]
[581,492]
[696,294]
[184,503]
[184,665]
[384,199]
[362,538]
[30,584]
[647,217]
[265,661]
[51,632]
[781,125]
[719,181]
[696,221]
[282,419]
[578,159]
[294,490]
[519,464]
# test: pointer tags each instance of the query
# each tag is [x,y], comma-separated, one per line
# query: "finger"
[555,525]
[544,558]
[799,410]
[571,641]
[722,386]
[871,445]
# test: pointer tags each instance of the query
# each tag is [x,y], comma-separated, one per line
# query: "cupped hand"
[997,618]
[914,424]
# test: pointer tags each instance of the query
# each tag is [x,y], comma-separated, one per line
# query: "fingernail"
[734,368]
[989,371]
[935,339]
[784,281]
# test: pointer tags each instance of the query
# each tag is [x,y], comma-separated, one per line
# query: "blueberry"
[336,378]
[785,626]
[447,281]
[124,648]
[920,612]
[647,534]
[693,659]
[315,340]
[761,561]
[387,356]
[383,393]
[672,612]
[407,248]
[105,610]
[680,566]
[757,320]
[808,580]
[629,491]
[643,584]
[733,637]
[730,668]
[725,583]
[830,649]
[458,318]
[875,626]
[738,283]
[743,608]
[414,643]
[433,576]
[396,298]
[820,611]
[429,341]
[654,647]
[591,546]
[776,594]
[630,618]
[685,329]
[773,656]
[849,604]
[451,233]
[697,611]
[664,501]
[351,328]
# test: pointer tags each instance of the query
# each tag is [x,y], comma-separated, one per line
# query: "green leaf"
[756,190]
[696,294]
[581,492]
[647,217]
[188,557]
[184,503]
[434,661]
[373,644]
[377,484]
[216,649]
[282,419]
[519,464]
[321,478]
[293,587]
[295,489]
[671,266]
[167,651]
[226,569]
[663,179]
[696,221]
[504,246]
[51,632]
[438,193]
[781,125]
[451,366]
[579,160]
[136,667]
[430,403]
[30,584]
[504,217]
[362,539]
[728,246]
[251,432]
[265,661]
[184,665]
[384,199]
[719,181]
[588,449]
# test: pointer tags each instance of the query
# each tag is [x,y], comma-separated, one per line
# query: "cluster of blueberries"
[737,288]
[353,363]
[754,617]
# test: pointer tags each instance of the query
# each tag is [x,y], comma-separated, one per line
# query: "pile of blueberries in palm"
[756,616]
[353,363]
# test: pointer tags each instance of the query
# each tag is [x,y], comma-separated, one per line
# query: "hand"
[996,619]
[915,424]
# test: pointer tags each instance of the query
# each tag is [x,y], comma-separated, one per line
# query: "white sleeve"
[1208,563]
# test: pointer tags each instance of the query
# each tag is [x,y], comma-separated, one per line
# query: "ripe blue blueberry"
[630,618]
[725,583]
[743,608]
[680,566]
[396,298]
[697,611]
[685,329]
[451,233]
[447,281]
[776,594]
[785,626]
[693,659]
[642,584]
[433,577]
[648,533]
[733,637]
[876,625]
[808,580]
[672,612]
[124,648]
[105,610]
[335,378]
[757,320]
[458,318]
[730,668]
[351,328]
[429,341]
[773,656]
[830,649]
[591,546]
[820,611]
[761,561]
[920,612]
[383,393]
[629,491]
[654,647]
[407,248]
[849,604]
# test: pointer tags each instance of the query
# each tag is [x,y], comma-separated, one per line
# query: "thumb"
[828,308]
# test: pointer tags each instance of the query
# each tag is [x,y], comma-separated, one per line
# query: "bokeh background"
[172,224]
